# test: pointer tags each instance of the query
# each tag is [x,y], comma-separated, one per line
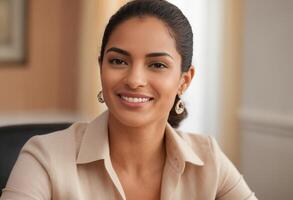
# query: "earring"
[100,97]
[179,107]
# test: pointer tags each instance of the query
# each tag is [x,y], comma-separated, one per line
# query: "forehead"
[143,34]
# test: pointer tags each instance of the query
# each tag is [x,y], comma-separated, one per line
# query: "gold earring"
[179,107]
[100,97]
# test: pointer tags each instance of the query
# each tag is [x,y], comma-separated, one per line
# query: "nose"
[136,77]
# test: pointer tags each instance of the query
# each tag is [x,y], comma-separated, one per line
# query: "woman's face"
[141,72]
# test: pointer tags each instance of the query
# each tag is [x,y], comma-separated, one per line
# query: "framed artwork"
[12,25]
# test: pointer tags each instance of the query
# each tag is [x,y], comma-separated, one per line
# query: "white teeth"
[135,100]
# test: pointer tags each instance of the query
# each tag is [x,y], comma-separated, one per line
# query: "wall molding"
[38,117]
[267,122]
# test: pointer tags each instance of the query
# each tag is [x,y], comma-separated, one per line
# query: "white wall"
[201,98]
[267,98]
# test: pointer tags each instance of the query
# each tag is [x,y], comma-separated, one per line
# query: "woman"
[132,151]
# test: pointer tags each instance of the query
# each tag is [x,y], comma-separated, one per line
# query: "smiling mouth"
[135,99]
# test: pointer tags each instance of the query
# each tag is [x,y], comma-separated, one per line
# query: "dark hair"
[175,20]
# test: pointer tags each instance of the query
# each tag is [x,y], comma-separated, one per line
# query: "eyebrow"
[154,54]
[117,50]
[158,54]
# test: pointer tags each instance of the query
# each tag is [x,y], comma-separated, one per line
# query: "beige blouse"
[75,164]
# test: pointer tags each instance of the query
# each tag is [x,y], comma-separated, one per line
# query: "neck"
[137,148]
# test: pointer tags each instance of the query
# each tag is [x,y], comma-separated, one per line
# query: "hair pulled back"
[177,24]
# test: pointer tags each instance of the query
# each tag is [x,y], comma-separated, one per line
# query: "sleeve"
[29,179]
[231,184]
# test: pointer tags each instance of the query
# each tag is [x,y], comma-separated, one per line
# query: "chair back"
[12,139]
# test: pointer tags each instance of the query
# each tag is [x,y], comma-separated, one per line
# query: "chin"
[133,119]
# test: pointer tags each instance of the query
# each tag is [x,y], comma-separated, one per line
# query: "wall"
[229,80]
[47,79]
[267,98]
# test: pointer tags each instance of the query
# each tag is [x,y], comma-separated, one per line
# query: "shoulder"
[60,144]
[59,138]
[229,182]
[205,146]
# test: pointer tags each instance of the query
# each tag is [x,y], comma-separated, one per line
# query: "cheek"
[108,81]
[167,87]
[109,77]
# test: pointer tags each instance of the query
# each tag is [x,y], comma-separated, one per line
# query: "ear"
[186,79]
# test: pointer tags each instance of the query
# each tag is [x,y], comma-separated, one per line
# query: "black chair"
[12,139]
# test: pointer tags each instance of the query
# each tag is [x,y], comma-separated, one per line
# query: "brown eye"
[116,61]
[158,65]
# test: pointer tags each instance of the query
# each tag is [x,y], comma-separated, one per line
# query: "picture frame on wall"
[12,30]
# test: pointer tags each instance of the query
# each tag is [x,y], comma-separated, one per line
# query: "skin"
[141,59]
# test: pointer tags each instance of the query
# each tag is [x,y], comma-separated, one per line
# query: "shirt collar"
[179,150]
[95,145]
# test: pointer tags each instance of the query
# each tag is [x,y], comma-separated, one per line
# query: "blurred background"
[242,93]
